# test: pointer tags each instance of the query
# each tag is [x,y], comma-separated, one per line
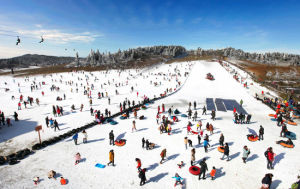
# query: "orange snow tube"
[296,116]
[252,138]
[286,145]
[292,123]
[221,149]
[194,170]
[271,115]
[120,142]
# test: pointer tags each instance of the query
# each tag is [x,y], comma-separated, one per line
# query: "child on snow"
[213,173]
[36,180]
[181,164]
[77,158]
[178,179]
[63,181]
[139,163]
[84,136]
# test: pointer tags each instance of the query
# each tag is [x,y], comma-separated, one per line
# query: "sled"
[271,115]
[286,145]
[296,116]
[176,112]
[292,123]
[290,135]
[273,119]
[194,170]
[183,115]
[221,149]
[113,122]
[252,138]
[195,133]
[121,142]
[122,117]
[98,165]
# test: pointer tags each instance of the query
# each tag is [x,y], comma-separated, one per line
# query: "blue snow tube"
[113,122]
[183,115]
[273,119]
[176,112]
[290,135]
[109,120]
[122,117]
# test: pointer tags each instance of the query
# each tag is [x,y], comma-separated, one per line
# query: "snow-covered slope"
[60,156]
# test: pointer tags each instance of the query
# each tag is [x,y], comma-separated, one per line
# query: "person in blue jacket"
[178,179]
[75,137]
[205,144]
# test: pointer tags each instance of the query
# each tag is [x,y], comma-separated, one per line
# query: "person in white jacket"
[84,136]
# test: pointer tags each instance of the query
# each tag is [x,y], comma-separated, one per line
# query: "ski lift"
[18,41]
[42,39]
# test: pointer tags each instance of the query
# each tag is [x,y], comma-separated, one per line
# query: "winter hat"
[204,159]
[214,167]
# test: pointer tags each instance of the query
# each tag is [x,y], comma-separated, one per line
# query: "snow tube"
[113,122]
[122,117]
[100,165]
[221,149]
[271,115]
[290,135]
[286,145]
[194,170]
[144,107]
[296,116]
[142,117]
[194,132]
[120,142]
[273,119]
[292,123]
[176,112]
[252,138]
[183,115]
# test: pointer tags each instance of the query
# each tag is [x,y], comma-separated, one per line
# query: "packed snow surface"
[194,87]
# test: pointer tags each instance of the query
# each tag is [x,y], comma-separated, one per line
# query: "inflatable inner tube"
[194,170]
[195,133]
[183,115]
[113,122]
[292,123]
[252,138]
[221,149]
[120,142]
[176,112]
[271,115]
[286,145]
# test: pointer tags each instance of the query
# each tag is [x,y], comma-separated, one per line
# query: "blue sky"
[253,25]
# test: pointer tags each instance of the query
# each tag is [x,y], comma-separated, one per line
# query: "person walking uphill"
[203,168]
[163,154]
[111,138]
[139,164]
[77,158]
[56,125]
[221,140]
[226,152]
[111,158]
[246,152]
[75,137]
[193,152]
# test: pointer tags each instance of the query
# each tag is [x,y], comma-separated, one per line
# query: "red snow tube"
[194,170]
[221,149]
[252,138]
[286,145]
[194,132]
[120,142]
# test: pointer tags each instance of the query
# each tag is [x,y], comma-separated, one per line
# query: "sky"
[70,26]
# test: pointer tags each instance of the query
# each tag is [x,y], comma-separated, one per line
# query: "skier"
[178,179]
[111,138]
[246,152]
[261,133]
[226,152]
[75,137]
[77,158]
[142,176]
[203,168]
[221,140]
[267,181]
[139,164]
[163,155]
[111,158]
[84,139]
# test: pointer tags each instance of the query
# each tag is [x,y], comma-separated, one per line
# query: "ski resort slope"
[230,174]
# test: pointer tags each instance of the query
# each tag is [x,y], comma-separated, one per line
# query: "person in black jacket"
[261,133]
[16,116]
[147,144]
[199,139]
[248,118]
[142,176]
[56,125]
[203,168]
[267,181]
[47,121]
[111,138]
[143,142]
[279,120]
[204,110]
[226,152]
[221,140]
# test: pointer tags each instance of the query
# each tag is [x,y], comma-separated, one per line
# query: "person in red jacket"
[139,163]
[270,157]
